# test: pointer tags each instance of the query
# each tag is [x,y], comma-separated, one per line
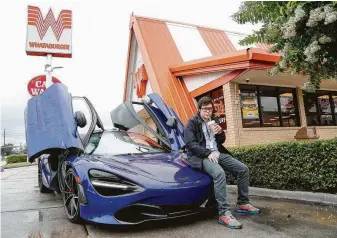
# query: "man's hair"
[204,101]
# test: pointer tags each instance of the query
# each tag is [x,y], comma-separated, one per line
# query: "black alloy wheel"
[70,197]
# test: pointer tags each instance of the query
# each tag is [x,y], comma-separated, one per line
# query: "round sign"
[37,85]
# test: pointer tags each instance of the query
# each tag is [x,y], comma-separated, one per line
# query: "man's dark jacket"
[196,143]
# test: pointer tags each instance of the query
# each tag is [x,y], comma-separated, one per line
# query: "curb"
[19,166]
[322,198]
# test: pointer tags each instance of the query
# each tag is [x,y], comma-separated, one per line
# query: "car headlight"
[108,184]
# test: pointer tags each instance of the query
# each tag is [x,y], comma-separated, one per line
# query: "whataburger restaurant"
[183,62]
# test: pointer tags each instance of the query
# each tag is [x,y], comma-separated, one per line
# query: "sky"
[100,33]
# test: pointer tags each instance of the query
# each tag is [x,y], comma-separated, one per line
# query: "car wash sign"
[37,85]
[49,33]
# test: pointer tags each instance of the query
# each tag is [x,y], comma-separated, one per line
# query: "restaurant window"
[219,105]
[263,106]
[321,108]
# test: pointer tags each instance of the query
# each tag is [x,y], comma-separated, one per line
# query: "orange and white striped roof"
[164,44]
[195,42]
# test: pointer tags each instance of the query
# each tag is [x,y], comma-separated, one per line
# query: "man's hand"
[217,129]
[213,157]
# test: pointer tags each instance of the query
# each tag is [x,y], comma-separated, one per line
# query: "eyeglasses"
[207,109]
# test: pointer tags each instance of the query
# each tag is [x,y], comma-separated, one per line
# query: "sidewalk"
[322,198]
[3,163]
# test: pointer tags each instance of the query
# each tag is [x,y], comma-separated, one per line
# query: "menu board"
[287,103]
[219,105]
[324,104]
[249,105]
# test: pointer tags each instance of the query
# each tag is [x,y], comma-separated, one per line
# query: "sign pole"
[49,70]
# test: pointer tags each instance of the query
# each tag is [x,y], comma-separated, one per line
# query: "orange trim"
[260,65]
[33,53]
[263,55]
[216,83]
[216,68]
[227,67]
[230,57]
[193,108]
[250,59]
[224,58]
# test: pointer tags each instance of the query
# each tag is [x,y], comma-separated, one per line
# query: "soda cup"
[211,125]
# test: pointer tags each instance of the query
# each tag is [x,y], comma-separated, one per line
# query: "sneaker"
[229,221]
[247,208]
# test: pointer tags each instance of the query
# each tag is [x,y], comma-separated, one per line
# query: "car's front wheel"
[70,197]
[42,188]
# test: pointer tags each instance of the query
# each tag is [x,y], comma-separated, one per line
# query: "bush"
[11,159]
[304,166]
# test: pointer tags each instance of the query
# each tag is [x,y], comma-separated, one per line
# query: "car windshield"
[121,143]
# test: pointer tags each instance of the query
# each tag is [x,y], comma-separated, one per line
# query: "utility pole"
[4,149]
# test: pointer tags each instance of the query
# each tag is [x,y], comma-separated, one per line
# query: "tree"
[305,33]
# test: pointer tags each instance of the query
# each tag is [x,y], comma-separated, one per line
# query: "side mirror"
[80,119]
[172,122]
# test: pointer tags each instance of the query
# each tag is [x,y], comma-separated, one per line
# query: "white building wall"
[196,81]
[189,42]
[139,60]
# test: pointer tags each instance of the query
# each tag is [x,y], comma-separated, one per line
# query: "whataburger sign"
[49,34]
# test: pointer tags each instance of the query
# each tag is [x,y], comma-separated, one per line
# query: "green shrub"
[11,159]
[304,166]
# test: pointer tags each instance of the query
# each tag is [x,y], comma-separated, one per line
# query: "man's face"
[206,111]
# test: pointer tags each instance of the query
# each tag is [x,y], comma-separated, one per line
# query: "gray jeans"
[217,172]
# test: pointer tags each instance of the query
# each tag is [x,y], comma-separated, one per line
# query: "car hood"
[163,167]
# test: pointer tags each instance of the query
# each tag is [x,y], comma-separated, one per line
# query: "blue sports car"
[133,173]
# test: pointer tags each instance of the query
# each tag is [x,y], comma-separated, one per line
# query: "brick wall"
[238,136]
[230,95]
[327,132]
[258,136]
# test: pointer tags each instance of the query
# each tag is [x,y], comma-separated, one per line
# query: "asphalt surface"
[27,213]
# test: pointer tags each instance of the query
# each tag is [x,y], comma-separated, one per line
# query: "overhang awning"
[252,58]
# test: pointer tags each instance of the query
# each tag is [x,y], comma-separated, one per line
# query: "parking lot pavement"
[27,213]
[278,219]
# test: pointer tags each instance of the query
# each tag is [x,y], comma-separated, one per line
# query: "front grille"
[171,209]
[138,213]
